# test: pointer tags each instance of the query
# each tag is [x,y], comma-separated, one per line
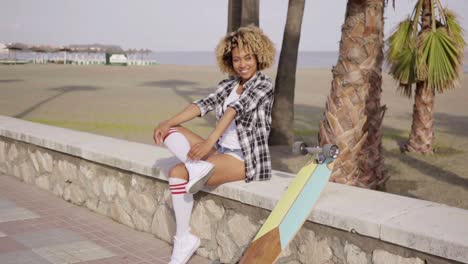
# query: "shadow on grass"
[61,91]
[430,170]
[11,80]
[187,90]
[452,124]
[424,167]
[307,119]
[447,123]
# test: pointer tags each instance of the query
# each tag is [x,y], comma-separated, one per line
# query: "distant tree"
[353,111]
[282,132]
[426,52]
[242,13]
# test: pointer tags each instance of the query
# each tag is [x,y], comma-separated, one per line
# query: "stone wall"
[225,225]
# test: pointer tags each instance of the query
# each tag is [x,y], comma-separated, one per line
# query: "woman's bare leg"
[227,169]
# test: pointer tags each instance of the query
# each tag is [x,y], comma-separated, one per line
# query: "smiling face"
[244,64]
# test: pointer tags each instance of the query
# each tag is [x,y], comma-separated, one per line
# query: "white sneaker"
[199,172]
[184,247]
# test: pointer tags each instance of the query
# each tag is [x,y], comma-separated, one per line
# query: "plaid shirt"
[253,120]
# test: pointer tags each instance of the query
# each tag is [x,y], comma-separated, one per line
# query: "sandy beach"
[127,102]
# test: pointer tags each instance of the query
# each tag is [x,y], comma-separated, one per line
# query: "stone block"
[12,153]
[67,170]
[201,222]
[354,255]
[142,201]
[119,214]
[58,190]
[163,224]
[142,221]
[43,182]
[42,161]
[227,250]
[241,229]
[74,194]
[384,257]
[313,248]
[26,172]
[109,188]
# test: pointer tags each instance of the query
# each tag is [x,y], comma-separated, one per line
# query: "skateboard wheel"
[330,151]
[300,148]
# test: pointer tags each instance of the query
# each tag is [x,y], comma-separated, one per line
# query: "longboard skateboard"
[294,206]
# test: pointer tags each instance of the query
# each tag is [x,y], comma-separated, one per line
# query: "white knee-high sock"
[178,144]
[183,205]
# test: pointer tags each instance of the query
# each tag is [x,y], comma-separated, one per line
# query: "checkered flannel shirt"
[253,120]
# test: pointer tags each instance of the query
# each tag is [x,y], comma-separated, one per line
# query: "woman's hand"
[160,132]
[200,150]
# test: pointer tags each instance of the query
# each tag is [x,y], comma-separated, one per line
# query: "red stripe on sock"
[178,188]
[179,192]
[170,132]
[179,184]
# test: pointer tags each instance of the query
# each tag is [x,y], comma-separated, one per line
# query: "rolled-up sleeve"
[206,104]
[209,102]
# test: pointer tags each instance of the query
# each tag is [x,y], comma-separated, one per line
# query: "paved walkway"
[38,227]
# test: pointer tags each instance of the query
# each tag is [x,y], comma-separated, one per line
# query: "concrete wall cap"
[421,225]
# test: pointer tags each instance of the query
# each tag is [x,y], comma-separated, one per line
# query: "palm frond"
[400,39]
[454,28]
[440,54]
[401,56]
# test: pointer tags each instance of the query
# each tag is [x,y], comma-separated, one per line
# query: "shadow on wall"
[61,91]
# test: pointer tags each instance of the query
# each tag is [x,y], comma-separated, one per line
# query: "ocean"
[306,59]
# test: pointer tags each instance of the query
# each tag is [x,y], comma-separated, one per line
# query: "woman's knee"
[179,171]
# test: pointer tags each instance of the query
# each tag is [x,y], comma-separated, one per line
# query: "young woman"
[237,149]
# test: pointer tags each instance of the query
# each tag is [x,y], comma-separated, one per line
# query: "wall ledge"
[428,227]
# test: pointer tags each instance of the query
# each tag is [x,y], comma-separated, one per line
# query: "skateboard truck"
[329,151]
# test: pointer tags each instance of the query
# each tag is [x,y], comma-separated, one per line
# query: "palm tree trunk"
[234,15]
[421,138]
[282,132]
[250,13]
[422,134]
[353,111]
[242,13]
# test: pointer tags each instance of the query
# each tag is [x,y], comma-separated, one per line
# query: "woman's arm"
[200,150]
[189,113]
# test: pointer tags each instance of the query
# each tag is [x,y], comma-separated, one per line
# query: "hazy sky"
[175,25]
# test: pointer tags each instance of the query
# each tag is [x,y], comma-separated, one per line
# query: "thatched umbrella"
[131,53]
[44,50]
[144,53]
[64,49]
[16,47]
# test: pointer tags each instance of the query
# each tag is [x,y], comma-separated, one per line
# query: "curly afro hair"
[251,39]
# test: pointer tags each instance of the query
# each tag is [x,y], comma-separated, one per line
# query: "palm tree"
[426,49]
[242,13]
[283,108]
[353,112]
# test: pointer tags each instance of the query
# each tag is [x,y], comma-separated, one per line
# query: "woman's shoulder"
[264,80]
[263,77]
[229,80]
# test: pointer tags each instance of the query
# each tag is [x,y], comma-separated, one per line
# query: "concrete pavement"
[38,227]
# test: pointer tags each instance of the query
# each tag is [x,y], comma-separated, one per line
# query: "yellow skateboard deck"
[289,214]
